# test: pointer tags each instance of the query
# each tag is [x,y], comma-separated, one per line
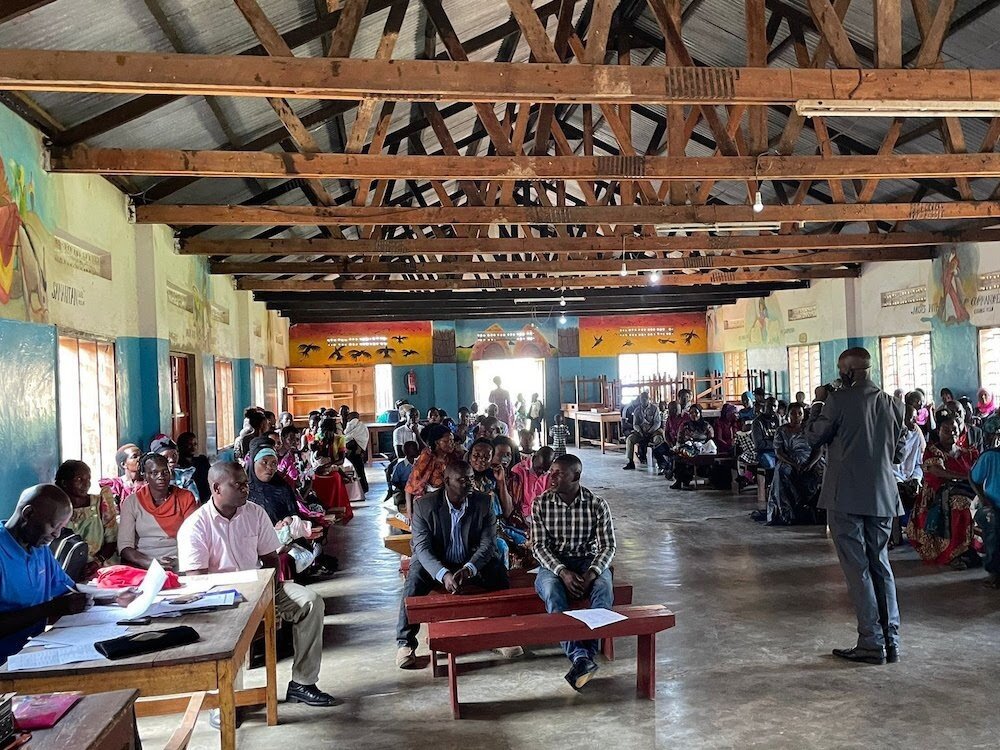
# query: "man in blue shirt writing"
[33,586]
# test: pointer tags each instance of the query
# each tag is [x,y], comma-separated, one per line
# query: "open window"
[88,404]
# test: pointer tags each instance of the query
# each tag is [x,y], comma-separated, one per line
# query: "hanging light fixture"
[562,319]
[758,202]
[624,271]
[562,301]
[654,277]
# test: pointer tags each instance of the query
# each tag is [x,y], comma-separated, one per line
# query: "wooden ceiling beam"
[265,164]
[602,267]
[183,215]
[11,9]
[337,316]
[555,283]
[479,82]
[578,245]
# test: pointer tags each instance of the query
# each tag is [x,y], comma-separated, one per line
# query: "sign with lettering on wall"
[900,297]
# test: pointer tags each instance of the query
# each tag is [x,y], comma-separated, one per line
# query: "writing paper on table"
[79,636]
[52,657]
[595,618]
[152,584]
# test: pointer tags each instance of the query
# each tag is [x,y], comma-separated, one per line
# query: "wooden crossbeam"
[194,215]
[554,282]
[603,267]
[13,8]
[483,82]
[266,164]
[885,243]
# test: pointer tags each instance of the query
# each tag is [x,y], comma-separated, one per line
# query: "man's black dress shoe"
[580,673]
[892,654]
[863,655]
[309,694]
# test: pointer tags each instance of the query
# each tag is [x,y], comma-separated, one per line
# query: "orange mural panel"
[353,344]
[611,335]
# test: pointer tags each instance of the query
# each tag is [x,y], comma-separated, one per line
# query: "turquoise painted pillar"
[29,427]
[242,390]
[143,385]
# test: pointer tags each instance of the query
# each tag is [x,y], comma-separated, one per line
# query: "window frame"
[631,392]
[989,369]
[890,385]
[96,448]
[815,370]
[734,386]
[225,414]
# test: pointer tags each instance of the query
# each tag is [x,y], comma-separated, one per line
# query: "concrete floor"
[748,665]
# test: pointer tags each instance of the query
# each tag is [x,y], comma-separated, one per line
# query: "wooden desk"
[210,664]
[597,417]
[103,721]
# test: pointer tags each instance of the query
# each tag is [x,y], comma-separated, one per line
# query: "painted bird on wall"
[666,341]
[357,354]
[627,343]
[400,339]
[336,353]
[689,337]
[306,349]
[385,352]
[598,340]
[409,352]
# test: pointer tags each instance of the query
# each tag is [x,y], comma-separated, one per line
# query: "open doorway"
[519,376]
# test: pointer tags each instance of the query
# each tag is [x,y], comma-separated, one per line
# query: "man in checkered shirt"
[573,539]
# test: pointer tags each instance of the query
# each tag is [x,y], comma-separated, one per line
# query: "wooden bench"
[504,603]
[697,462]
[459,637]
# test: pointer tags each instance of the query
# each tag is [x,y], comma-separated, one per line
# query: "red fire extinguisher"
[411,382]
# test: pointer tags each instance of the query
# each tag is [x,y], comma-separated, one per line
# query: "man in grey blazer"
[864,429]
[454,544]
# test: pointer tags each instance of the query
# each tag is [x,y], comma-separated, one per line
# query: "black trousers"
[356,455]
[419,582]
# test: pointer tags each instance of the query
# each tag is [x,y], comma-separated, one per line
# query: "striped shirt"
[582,528]
[558,434]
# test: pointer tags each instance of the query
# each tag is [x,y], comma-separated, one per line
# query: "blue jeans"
[552,590]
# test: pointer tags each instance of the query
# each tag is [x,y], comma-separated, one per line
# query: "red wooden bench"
[503,603]
[458,637]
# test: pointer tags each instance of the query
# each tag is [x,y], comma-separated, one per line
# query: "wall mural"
[24,243]
[953,283]
[511,339]
[764,322]
[352,344]
[611,335]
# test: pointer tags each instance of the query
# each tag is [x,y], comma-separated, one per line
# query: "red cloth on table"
[122,576]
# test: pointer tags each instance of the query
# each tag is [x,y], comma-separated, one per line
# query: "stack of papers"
[93,616]
[78,636]
[53,657]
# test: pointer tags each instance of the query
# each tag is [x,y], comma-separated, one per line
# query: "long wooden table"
[105,721]
[601,418]
[210,664]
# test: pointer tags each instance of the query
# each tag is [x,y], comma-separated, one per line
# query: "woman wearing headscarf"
[985,405]
[726,427]
[797,477]
[129,477]
[747,413]
[428,470]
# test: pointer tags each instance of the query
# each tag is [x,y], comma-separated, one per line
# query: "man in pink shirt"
[228,534]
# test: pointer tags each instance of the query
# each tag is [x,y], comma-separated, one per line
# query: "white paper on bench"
[595,618]
[52,657]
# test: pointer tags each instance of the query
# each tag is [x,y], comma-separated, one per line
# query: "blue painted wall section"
[242,389]
[445,377]
[208,384]
[423,399]
[143,388]
[954,357]
[29,427]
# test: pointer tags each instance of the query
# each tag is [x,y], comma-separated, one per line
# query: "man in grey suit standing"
[864,429]
[454,544]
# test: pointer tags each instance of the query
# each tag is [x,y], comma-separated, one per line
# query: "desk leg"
[270,665]
[608,648]
[456,711]
[645,669]
[603,451]
[227,704]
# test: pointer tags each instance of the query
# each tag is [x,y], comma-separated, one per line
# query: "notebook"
[42,711]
